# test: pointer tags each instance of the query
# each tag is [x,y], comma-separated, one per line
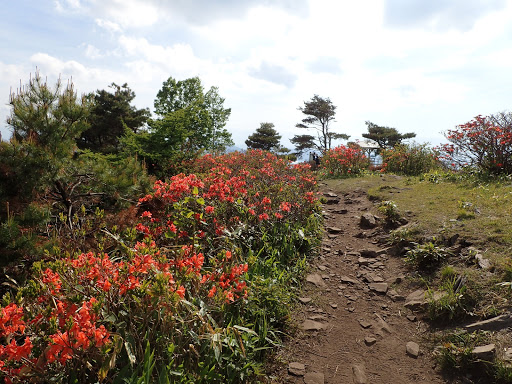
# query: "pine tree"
[265,137]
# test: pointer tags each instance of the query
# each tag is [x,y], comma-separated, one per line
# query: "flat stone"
[314,378]
[365,324]
[351,309]
[411,318]
[393,295]
[322,267]
[334,305]
[330,194]
[369,340]
[374,278]
[346,279]
[312,325]
[485,352]
[296,369]
[305,300]
[359,373]
[412,349]
[416,300]
[334,229]
[317,317]
[364,261]
[382,327]
[316,279]
[379,287]
[494,324]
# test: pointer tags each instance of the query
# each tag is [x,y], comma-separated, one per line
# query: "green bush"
[427,256]
[410,159]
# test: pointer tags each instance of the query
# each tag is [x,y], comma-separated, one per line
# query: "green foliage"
[45,122]
[320,114]
[110,114]
[409,159]
[454,301]
[189,123]
[448,272]
[265,138]
[205,115]
[13,242]
[390,211]
[455,355]
[49,118]
[466,210]
[385,137]
[44,178]
[427,256]
[303,143]
[406,234]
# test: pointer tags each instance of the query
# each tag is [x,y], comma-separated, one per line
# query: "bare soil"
[364,332]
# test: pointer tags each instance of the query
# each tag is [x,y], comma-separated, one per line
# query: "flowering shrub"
[409,159]
[201,280]
[344,161]
[484,143]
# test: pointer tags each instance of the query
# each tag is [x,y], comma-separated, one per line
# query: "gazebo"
[370,149]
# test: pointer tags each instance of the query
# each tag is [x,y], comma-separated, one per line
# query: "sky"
[416,65]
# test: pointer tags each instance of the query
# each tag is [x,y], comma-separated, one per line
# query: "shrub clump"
[483,144]
[196,291]
[344,161]
[409,159]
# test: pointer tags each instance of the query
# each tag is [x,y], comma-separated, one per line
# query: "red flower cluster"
[344,161]
[484,142]
[185,251]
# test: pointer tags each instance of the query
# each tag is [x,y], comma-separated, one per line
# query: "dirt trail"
[354,326]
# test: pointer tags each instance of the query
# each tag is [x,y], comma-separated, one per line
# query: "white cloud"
[92,52]
[108,25]
[375,59]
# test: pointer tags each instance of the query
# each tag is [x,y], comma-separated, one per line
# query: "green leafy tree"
[111,113]
[265,137]
[385,137]
[189,121]
[320,114]
[206,115]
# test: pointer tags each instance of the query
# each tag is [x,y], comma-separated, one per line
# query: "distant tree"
[303,143]
[111,113]
[286,153]
[206,115]
[265,137]
[321,113]
[385,137]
